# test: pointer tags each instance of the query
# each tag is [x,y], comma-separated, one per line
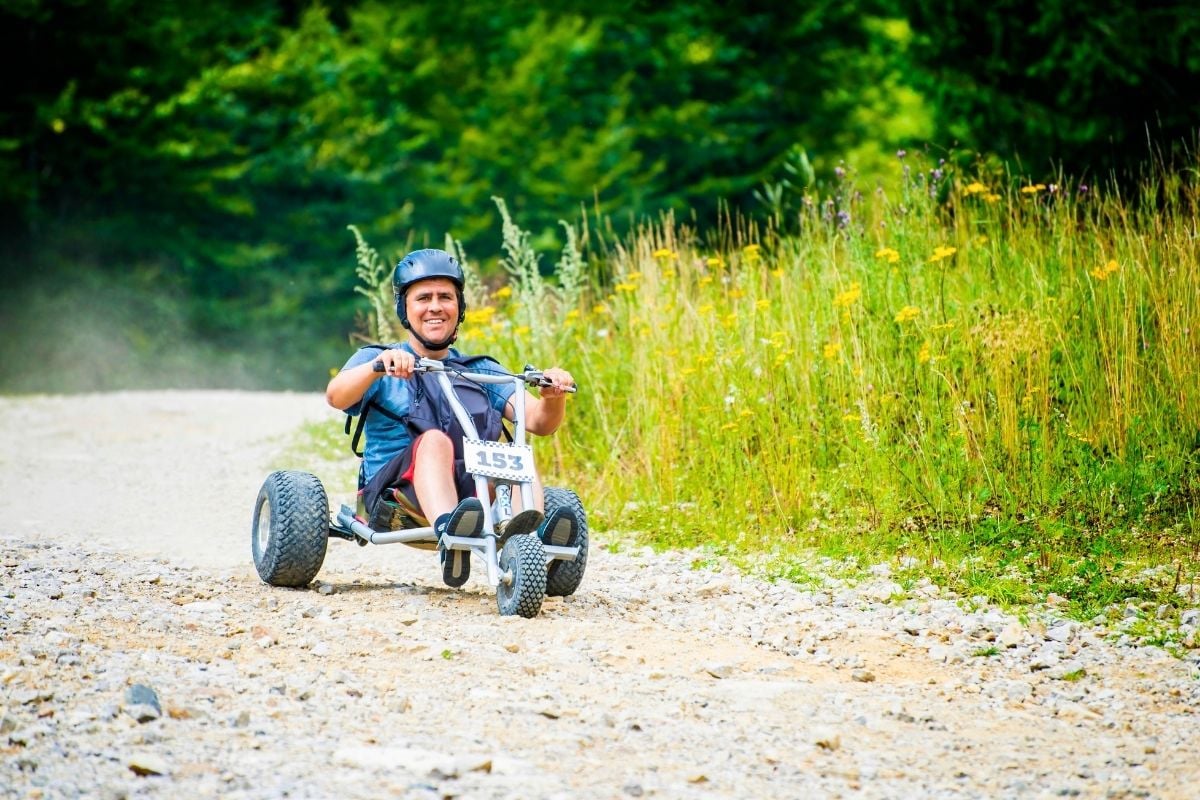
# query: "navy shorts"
[394,482]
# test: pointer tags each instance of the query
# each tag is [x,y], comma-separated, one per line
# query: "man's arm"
[348,386]
[544,414]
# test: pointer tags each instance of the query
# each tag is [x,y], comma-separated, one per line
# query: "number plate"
[509,462]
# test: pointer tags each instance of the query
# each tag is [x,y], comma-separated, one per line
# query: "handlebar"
[530,375]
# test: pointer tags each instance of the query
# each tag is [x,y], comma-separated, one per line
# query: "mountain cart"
[292,524]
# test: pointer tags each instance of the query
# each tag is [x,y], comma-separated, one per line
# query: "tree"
[1083,86]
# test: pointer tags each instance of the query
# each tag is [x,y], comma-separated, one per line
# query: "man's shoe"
[560,529]
[465,520]
[386,516]
[525,522]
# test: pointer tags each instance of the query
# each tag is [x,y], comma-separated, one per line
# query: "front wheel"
[564,577]
[524,560]
[291,528]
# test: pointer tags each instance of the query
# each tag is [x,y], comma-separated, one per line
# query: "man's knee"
[434,445]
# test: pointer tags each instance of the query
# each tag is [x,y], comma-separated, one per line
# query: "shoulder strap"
[362,415]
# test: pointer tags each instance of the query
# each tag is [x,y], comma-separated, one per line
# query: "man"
[409,459]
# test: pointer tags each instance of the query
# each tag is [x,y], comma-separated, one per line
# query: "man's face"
[432,306]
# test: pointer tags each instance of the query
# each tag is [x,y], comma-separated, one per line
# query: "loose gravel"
[131,670]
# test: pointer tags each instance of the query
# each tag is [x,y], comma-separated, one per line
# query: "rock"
[718,671]
[142,703]
[827,739]
[1012,635]
[882,591]
[147,764]
[862,675]
[1061,632]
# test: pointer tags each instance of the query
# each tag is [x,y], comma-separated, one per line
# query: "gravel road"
[141,657]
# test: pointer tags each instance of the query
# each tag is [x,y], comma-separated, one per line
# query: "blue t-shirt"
[386,437]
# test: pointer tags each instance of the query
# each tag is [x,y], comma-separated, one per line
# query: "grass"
[993,382]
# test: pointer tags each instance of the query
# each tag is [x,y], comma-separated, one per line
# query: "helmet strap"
[433,346]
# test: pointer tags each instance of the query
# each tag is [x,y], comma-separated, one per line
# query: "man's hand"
[561,381]
[397,363]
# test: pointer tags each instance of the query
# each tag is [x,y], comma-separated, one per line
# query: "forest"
[177,179]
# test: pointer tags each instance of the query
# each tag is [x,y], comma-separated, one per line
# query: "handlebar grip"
[379,365]
[545,382]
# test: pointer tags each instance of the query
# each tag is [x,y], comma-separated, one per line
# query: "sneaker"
[525,522]
[559,529]
[386,516]
[465,520]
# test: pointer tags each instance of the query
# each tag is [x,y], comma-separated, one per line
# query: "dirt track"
[132,567]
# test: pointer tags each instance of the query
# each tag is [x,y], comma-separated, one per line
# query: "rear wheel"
[525,561]
[564,577]
[291,528]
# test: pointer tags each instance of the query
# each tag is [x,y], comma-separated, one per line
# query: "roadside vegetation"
[989,382]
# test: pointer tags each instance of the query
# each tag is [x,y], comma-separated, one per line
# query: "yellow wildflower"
[908,313]
[851,418]
[1033,189]
[707,308]
[503,292]
[830,350]
[942,326]
[752,253]
[849,297]
[480,316]
[887,253]
[600,308]
[664,254]
[975,187]
[716,262]
[522,331]
[1103,273]
[633,276]
[942,252]
[991,198]
[762,305]
[705,280]
[778,273]
[668,273]
[572,314]
[625,287]
[736,293]
[924,355]
[728,426]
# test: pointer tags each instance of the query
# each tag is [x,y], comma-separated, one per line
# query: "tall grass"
[997,383]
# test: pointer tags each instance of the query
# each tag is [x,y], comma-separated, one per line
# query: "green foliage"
[1095,87]
[375,283]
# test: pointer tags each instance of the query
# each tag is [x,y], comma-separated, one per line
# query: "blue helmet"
[421,265]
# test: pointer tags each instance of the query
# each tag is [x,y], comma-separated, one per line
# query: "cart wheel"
[563,577]
[291,528]
[524,557]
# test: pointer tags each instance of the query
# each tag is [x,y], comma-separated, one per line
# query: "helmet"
[421,265]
